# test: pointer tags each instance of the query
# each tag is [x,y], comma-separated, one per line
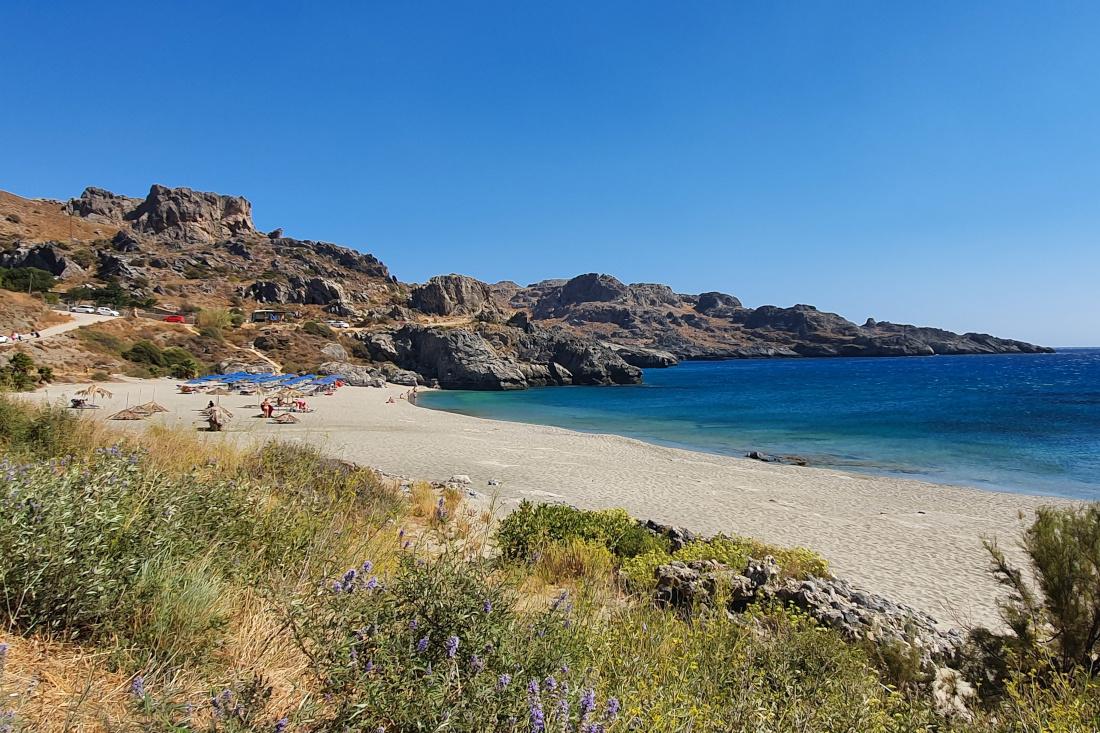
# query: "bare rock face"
[456,358]
[643,357]
[306,291]
[853,612]
[192,216]
[356,375]
[49,257]
[99,204]
[449,295]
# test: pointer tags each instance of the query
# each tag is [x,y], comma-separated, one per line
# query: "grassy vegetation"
[26,279]
[21,374]
[162,583]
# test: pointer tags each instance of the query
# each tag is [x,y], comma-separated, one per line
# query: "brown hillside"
[43,220]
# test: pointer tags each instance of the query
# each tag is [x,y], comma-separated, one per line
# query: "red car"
[173,319]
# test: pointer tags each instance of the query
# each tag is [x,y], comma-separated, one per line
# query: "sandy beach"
[916,542]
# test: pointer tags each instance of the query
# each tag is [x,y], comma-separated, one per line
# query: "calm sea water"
[1026,423]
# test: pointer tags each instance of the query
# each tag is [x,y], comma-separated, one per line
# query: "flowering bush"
[439,644]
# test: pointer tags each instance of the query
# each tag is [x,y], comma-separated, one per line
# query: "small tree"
[1063,613]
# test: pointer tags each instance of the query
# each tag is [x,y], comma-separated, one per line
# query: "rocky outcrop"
[643,357]
[193,216]
[306,291]
[355,375]
[101,205]
[456,358]
[450,295]
[855,613]
[113,266]
[49,257]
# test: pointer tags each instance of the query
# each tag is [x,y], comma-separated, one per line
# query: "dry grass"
[39,220]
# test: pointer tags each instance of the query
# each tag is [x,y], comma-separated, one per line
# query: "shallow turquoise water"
[1026,423]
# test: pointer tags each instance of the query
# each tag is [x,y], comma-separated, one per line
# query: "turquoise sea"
[1024,423]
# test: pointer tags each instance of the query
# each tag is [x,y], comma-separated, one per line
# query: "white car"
[82,309]
[339,324]
[103,311]
[4,339]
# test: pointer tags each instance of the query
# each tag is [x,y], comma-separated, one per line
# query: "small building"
[272,316]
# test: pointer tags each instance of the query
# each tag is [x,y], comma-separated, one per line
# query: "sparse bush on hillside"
[318,329]
[20,374]
[219,318]
[175,361]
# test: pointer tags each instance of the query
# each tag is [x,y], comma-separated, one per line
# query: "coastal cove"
[1018,423]
[915,542]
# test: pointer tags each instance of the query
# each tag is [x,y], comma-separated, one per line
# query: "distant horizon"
[935,164]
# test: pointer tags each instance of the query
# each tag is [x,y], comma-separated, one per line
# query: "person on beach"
[266,407]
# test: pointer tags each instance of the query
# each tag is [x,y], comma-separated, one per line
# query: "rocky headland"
[194,250]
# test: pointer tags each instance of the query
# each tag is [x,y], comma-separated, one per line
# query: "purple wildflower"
[538,720]
[562,597]
[504,680]
[612,708]
[281,724]
[452,646]
[487,606]
[588,702]
[336,587]
[372,583]
[550,683]
[476,664]
[413,624]
[368,667]
[137,687]
[407,545]
[422,645]
[533,688]
[367,567]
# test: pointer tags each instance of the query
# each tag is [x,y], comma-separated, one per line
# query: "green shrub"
[318,329]
[219,318]
[176,361]
[26,279]
[21,374]
[574,559]
[531,527]
[102,341]
[1063,547]
[36,430]
[795,562]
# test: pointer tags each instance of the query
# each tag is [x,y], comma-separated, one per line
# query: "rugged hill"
[189,251]
[716,325]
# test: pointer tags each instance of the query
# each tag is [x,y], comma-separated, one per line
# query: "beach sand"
[914,542]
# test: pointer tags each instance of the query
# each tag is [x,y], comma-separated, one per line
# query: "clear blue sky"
[930,162]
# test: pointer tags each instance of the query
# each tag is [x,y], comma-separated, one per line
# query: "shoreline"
[913,541]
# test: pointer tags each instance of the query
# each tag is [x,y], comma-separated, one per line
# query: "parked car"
[339,324]
[82,309]
[104,311]
[4,339]
[174,319]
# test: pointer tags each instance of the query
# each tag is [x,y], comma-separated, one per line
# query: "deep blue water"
[1026,423]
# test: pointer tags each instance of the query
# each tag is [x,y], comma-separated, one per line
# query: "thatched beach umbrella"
[286,419]
[151,407]
[94,390]
[219,391]
[217,417]
[130,414]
